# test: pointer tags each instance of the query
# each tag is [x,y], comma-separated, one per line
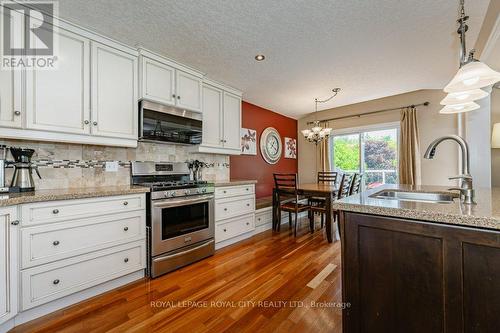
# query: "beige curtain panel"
[409,151]
[324,149]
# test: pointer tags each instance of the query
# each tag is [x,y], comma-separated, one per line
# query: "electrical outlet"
[112,166]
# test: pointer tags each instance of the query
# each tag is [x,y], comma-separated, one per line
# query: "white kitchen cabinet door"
[11,112]
[114,92]
[212,116]
[158,82]
[232,121]
[59,99]
[8,263]
[188,91]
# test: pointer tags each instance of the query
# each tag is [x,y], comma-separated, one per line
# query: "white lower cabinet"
[8,263]
[234,213]
[71,245]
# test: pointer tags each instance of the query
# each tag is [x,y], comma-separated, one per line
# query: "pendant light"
[465,87]
[317,133]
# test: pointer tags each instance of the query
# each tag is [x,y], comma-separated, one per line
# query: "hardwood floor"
[253,286]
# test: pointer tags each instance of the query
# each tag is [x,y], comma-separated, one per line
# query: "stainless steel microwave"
[162,123]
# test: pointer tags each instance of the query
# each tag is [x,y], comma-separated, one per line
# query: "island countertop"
[485,214]
[10,199]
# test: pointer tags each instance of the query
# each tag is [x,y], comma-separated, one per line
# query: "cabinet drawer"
[263,216]
[231,191]
[55,211]
[234,207]
[47,243]
[45,283]
[234,227]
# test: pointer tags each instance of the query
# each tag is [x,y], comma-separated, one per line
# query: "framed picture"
[248,139]
[290,148]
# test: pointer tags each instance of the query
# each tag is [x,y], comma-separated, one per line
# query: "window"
[371,151]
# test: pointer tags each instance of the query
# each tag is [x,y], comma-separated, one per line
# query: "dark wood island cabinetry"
[403,275]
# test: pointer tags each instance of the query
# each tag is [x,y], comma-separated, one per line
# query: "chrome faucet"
[466,189]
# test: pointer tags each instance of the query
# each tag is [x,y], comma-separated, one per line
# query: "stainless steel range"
[180,215]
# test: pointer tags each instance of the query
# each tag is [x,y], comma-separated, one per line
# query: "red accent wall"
[254,166]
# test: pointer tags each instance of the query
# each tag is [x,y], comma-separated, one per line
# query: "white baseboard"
[58,304]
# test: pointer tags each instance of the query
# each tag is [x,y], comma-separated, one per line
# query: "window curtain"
[409,151]
[324,149]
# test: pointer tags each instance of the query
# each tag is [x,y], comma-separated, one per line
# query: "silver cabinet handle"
[125,203]
[55,243]
[15,222]
[56,281]
[125,260]
[86,122]
[95,123]
[55,211]
[17,113]
[125,229]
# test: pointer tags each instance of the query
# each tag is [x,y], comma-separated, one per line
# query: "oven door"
[180,222]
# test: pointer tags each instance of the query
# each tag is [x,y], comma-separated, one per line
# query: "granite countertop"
[9,199]
[485,214]
[235,182]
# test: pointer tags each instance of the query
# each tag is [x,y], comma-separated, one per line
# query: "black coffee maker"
[22,180]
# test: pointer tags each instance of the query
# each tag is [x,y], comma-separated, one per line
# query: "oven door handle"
[178,254]
[183,202]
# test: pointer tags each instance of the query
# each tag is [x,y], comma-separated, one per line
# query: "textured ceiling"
[369,48]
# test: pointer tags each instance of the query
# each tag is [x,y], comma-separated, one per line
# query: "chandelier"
[317,133]
[465,87]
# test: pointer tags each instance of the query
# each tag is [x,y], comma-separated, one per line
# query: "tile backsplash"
[63,165]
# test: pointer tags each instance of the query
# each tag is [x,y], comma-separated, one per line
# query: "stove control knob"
[172,194]
[204,190]
[187,192]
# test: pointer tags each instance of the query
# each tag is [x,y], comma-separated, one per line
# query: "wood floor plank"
[263,284]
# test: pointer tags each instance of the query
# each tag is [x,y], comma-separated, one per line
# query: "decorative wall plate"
[270,145]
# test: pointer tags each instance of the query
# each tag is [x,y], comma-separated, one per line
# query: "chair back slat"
[285,182]
[356,183]
[329,177]
[345,186]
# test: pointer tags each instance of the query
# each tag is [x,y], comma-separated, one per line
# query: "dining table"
[324,190]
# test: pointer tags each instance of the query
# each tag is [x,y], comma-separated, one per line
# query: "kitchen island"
[417,266]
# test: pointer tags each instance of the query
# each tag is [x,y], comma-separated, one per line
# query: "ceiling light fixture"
[260,57]
[465,87]
[317,133]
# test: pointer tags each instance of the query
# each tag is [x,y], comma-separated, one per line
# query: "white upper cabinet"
[8,263]
[221,119]
[11,113]
[158,81]
[167,82]
[114,92]
[212,116]
[58,99]
[188,91]
[232,121]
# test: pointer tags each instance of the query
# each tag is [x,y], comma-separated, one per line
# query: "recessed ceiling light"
[260,57]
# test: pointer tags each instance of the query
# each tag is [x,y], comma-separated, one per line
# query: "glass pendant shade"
[495,138]
[464,97]
[459,108]
[473,75]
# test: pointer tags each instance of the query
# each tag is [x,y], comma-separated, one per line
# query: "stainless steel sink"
[442,198]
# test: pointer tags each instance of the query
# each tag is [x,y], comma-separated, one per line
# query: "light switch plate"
[112,166]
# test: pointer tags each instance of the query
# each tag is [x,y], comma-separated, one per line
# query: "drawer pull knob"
[17,113]
[248,205]
[125,229]
[225,209]
[56,281]
[224,191]
[225,230]
[248,189]
[55,243]
[15,222]
[258,219]
[55,211]
[248,223]
[125,203]
[125,260]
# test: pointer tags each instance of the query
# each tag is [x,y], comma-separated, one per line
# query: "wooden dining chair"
[286,186]
[356,183]
[324,177]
